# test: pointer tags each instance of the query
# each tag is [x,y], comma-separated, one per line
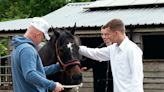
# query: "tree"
[16,9]
[4,4]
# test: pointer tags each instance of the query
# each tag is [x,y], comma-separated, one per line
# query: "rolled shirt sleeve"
[99,54]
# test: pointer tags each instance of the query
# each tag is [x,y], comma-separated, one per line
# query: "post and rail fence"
[5,74]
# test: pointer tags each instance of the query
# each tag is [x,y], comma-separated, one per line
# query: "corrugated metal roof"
[68,15]
[108,3]
[74,12]
[15,24]
[111,3]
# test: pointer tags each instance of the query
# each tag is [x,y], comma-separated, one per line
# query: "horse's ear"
[73,29]
[56,33]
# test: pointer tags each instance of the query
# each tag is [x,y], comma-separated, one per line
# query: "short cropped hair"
[115,24]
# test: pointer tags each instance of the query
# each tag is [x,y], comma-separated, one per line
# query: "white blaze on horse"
[69,45]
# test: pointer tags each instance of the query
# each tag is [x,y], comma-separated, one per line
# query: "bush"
[3,47]
[3,50]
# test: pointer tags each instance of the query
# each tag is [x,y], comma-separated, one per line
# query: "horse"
[63,48]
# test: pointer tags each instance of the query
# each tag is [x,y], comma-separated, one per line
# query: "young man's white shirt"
[126,64]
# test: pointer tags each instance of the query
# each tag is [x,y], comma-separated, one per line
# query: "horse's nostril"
[77,77]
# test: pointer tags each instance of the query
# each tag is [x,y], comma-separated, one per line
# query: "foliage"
[16,9]
[3,47]
[3,5]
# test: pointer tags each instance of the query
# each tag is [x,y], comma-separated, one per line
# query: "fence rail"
[5,73]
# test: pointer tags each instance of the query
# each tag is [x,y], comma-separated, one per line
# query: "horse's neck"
[48,55]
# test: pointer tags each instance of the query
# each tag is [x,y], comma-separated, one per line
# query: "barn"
[144,23]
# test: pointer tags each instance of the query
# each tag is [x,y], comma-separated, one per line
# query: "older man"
[28,73]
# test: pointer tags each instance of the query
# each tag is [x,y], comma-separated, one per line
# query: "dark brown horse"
[63,48]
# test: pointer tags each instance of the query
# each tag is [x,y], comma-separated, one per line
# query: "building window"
[153,47]
[91,41]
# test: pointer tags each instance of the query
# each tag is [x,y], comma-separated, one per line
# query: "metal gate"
[5,74]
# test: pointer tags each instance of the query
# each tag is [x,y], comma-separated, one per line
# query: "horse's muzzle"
[77,77]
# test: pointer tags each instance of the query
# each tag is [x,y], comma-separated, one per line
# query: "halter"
[70,62]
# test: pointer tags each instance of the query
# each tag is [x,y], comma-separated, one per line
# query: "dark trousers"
[101,86]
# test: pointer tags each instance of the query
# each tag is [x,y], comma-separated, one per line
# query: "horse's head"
[63,48]
[68,56]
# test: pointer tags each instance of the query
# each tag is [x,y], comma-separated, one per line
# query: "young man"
[28,73]
[124,55]
[102,75]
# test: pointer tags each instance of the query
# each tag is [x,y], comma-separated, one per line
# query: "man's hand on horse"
[58,88]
